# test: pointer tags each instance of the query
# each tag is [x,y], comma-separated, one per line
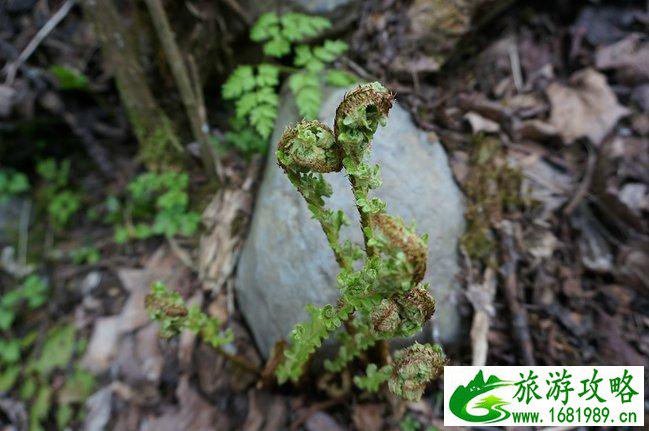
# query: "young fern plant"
[382,296]
[255,89]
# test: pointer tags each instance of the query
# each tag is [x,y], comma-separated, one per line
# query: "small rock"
[286,262]
[341,12]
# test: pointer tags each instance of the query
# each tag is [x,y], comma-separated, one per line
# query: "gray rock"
[341,12]
[286,262]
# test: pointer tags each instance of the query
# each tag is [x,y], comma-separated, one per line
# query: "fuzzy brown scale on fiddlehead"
[359,115]
[385,317]
[165,306]
[417,305]
[403,238]
[413,368]
[309,146]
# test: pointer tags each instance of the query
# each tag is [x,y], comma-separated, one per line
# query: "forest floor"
[544,115]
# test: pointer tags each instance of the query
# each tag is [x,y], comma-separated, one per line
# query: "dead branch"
[188,93]
[518,313]
[12,68]
[153,129]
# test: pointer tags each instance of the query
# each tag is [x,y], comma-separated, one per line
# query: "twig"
[23,236]
[584,185]
[11,68]
[518,313]
[185,88]
[235,6]
[239,361]
[515,64]
[94,148]
[481,295]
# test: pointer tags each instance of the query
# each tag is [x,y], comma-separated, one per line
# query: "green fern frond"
[242,80]
[279,32]
[340,78]
[307,91]
[255,95]
[263,119]
[266,27]
[267,75]
[277,47]
[297,27]
[330,50]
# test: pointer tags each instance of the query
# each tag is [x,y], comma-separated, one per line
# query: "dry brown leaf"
[225,219]
[368,417]
[479,123]
[104,344]
[266,412]
[193,413]
[481,295]
[628,57]
[536,130]
[102,347]
[586,108]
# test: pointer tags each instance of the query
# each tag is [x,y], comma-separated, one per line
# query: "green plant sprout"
[59,200]
[31,294]
[31,361]
[255,89]
[12,184]
[383,298]
[158,204]
[168,309]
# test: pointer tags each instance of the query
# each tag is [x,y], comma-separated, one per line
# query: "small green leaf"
[306,89]
[57,350]
[41,405]
[242,80]
[9,377]
[277,47]
[64,415]
[266,26]
[267,75]
[340,78]
[10,351]
[69,78]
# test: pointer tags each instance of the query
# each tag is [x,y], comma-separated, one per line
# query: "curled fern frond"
[413,368]
[404,239]
[417,305]
[385,317]
[168,308]
[309,146]
[362,110]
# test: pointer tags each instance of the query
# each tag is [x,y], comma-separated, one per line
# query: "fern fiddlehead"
[384,298]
